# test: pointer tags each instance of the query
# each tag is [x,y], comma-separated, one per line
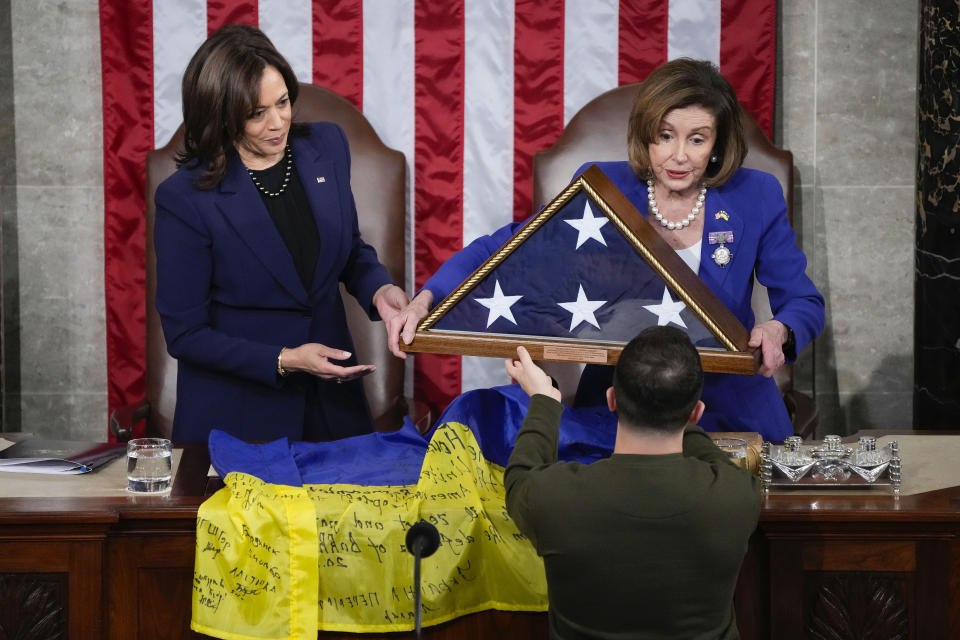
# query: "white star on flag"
[499,305]
[667,311]
[582,309]
[588,227]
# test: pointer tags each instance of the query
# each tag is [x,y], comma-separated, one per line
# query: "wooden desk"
[862,566]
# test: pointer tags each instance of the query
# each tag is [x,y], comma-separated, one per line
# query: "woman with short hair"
[686,149]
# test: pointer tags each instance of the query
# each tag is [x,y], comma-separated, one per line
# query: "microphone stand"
[422,540]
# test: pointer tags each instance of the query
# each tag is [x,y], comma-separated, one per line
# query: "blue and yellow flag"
[311,536]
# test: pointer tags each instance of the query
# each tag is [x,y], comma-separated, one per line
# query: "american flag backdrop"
[468,90]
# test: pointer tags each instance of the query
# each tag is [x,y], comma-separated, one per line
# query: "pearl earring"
[713,158]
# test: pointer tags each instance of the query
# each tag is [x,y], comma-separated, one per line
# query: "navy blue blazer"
[229,297]
[764,246]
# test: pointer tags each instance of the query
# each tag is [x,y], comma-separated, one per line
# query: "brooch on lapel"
[721,214]
[722,254]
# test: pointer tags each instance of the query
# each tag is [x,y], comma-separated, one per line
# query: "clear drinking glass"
[148,465]
[736,449]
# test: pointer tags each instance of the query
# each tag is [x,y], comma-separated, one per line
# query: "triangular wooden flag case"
[542,289]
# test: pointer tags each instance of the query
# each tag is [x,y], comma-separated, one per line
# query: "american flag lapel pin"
[321,179]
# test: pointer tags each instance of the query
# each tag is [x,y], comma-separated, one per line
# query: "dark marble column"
[937,316]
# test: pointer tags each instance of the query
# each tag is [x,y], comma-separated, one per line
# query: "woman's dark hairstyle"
[684,83]
[658,379]
[221,87]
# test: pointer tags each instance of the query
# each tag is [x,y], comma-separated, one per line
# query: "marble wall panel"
[66,347]
[857,411]
[8,163]
[56,62]
[8,215]
[10,307]
[868,263]
[804,223]
[797,82]
[61,249]
[848,75]
[70,416]
[796,128]
[9,263]
[59,223]
[866,92]
[62,333]
[805,214]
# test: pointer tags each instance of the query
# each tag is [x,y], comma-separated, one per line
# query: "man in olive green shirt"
[647,543]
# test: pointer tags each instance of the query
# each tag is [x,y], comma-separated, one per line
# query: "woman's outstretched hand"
[317,360]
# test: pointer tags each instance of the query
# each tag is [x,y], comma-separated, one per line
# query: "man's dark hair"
[657,380]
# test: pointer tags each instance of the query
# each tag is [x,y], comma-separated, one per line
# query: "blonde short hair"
[684,83]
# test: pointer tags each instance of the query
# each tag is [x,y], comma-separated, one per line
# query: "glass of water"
[148,465]
[736,450]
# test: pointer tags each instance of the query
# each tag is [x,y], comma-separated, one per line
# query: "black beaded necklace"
[286,177]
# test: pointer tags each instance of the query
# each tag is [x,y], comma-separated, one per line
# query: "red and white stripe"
[468,90]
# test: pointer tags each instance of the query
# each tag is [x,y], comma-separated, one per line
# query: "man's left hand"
[531,378]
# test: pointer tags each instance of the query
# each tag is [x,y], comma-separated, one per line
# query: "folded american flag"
[574,277]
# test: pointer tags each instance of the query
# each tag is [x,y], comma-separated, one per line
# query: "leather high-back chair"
[598,132]
[378,178]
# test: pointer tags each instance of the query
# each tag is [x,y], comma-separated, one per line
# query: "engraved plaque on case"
[575,354]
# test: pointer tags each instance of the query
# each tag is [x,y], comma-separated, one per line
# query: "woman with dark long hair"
[254,233]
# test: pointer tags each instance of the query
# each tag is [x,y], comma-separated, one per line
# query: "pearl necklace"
[674,225]
[286,177]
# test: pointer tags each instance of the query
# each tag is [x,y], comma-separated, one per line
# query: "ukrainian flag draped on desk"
[309,536]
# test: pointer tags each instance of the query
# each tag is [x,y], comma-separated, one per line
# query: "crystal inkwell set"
[831,463]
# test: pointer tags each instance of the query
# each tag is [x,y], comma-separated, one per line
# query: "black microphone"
[422,540]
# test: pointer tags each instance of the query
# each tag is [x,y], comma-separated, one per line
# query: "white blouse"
[691,255]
